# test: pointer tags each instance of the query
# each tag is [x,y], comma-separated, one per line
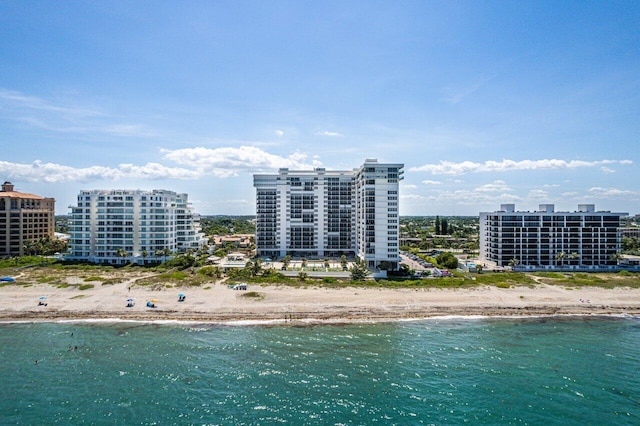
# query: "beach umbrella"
[129,300]
[43,297]
[181,295]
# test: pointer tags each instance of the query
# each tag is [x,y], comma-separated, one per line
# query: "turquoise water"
[445,372]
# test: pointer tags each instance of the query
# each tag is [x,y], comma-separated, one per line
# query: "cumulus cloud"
[56,173]
[538,194]
[451,168]
[408,186]
[193,163]
[230,161]
[279,133]
[495,186]
[473,197]
[329,134]
[431,182]
[600,192]
[607,170]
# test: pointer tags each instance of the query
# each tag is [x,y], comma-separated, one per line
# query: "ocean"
[446,371]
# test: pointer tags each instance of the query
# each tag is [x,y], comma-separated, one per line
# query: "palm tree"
[144,255]
[343,262]
[256,267]
[163,253]
[574,256]
[616,257]
[560,257]
[326,263]
[285,261]
[304,262]
[514,263]
[121,253]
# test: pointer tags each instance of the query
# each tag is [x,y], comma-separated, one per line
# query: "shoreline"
[283,305]
[280,305]
[307,322]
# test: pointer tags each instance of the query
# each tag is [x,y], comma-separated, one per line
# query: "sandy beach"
[218,303]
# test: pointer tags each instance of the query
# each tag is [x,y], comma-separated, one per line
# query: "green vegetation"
[443,233]
[447,260]
[210,271]
[631,245]
[186,271]
[45,246]
[226,225]
[253,295]
[25,261]
[359,270]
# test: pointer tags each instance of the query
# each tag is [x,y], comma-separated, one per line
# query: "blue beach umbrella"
[181,295]
[43,297]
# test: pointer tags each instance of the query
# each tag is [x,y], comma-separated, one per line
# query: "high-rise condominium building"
[115,226]
[23,218]
[322,213]
[546,239]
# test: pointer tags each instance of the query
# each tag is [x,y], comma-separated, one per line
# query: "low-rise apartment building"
[545,239]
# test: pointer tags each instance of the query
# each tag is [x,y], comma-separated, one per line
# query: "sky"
[485,102]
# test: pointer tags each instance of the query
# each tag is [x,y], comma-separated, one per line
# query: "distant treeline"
[226,225]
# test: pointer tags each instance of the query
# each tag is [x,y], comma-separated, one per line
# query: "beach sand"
[216,302]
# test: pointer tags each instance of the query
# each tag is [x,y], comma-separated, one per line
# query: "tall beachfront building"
[545,239]
[107,223]
[23,218]
[323,213]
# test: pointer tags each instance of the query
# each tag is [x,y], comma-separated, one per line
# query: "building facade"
[116,226]
[23,218]
[546,239]
[322,213]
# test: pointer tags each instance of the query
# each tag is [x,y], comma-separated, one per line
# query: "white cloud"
[431,182]
[538,194]
[408,186]
[55,173]
[18,100]
[196,162]
[279,133]
[412,197]
[230,161]
[330,134]
[456,95]
[62,117]
[607,170]
[495,186]
[610,192]
[451,168]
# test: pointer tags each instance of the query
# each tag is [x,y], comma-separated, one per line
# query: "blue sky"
[485,102]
